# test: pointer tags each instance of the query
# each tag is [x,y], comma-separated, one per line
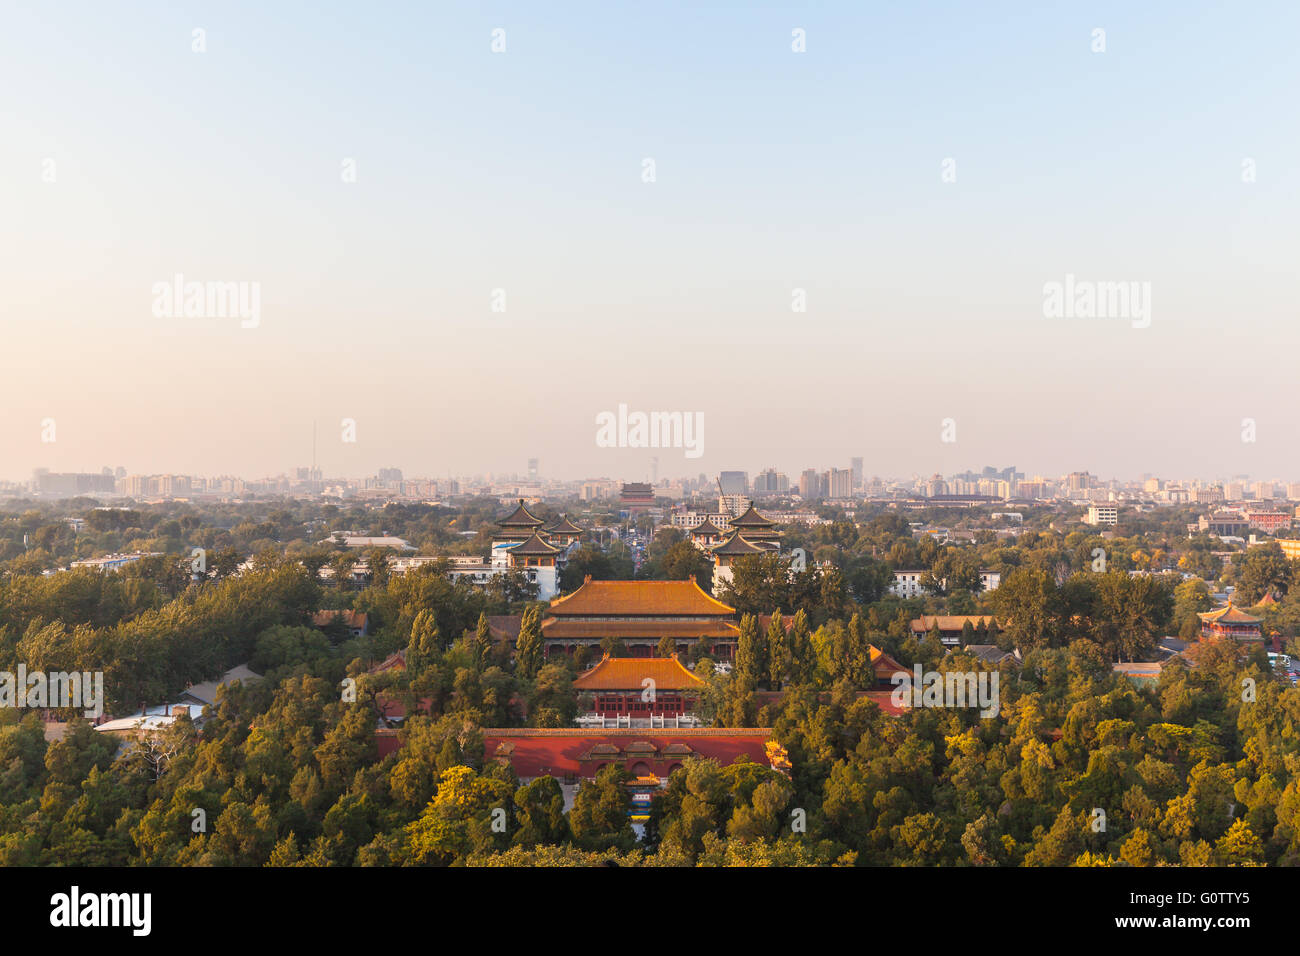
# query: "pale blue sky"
[775,171]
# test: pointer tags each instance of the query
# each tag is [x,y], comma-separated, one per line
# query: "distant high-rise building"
[532,468]
[1031,489]
[733,505]
[771,482]
[841,483]
[69,485]
[855,465]
[390,474]
[1212,495]
[810,484]
[173,486]
[733,483]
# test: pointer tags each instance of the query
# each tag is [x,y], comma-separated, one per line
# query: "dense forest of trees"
[1079,767]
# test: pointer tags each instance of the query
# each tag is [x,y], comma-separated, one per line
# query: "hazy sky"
[774,171]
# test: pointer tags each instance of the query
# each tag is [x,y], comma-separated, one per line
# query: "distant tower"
[654,470]
[532,468]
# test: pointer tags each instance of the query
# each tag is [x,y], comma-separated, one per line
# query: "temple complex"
[745,535]
[525,542]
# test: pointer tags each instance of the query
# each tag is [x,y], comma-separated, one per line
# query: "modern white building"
[908,583]
[365,541]
[1102,515]
[689,520]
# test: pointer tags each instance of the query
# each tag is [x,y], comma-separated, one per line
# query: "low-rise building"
[952,626]
[1102,514]
[113,562]
[1269,522]
[908,583]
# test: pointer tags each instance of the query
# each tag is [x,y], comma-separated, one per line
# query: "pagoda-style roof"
[751,519]
[951,622]
[563,526]
[882,662]
[1228,614]
[1267,600]
[521,517]
[562,629]
[639,599]
[737,545]
[535,546]
[630,673]
[707,528]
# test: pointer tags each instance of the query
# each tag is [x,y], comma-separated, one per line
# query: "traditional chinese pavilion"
[754,527]
[640,614]
[640,687]
[519,525]
[728,552]
[1231,621]
[563,532]
[637,495]
[535,552]
[706,533]
[524,541]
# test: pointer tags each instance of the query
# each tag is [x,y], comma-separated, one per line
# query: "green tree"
[529,647]
[779,666]
[600,817]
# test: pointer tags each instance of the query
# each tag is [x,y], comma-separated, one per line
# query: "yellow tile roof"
[659,598]
[629,673]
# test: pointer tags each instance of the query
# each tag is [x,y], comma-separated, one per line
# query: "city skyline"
[631,466]
[538,474]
